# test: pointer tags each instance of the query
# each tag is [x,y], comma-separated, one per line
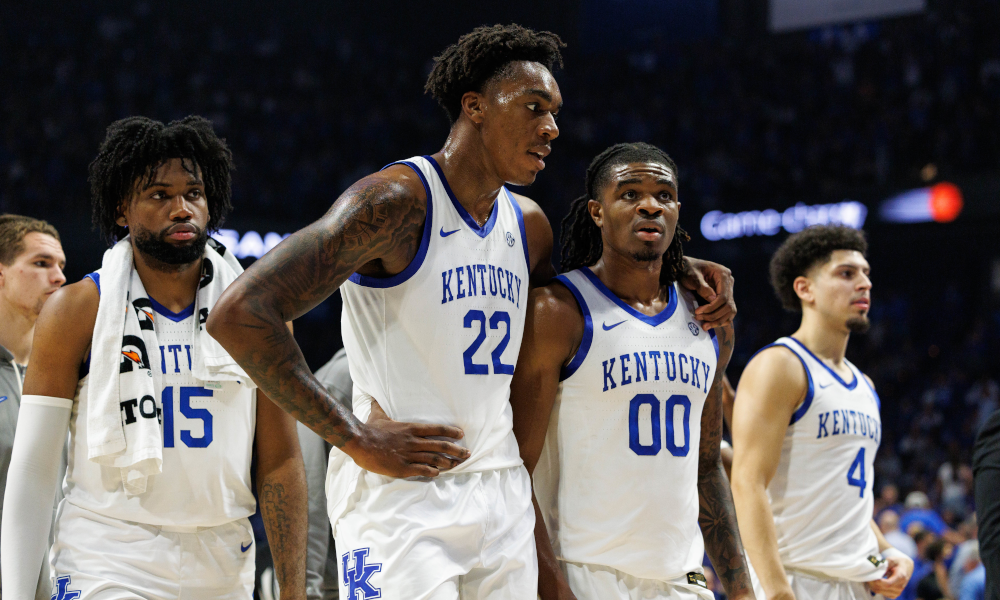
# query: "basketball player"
[31,270]
[433,257]
[630,466]
[806,428]
[182,532]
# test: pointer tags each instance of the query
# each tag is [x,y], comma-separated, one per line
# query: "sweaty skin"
[638,212]
[502,135]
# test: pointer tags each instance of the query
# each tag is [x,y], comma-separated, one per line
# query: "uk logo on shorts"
[357,577]
[62,591]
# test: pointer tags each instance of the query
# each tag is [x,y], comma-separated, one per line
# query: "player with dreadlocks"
[433,257]
[612,357]
[162,424]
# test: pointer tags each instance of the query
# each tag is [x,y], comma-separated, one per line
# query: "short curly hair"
[806,249]
[132,151]
[479,56]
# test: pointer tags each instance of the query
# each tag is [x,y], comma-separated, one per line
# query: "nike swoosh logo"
[823,387]
[244,549]
[447,233]
[2,398]
[610,327]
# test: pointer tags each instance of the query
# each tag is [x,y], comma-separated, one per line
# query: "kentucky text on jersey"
[691,370]
[480,280]
[849,422]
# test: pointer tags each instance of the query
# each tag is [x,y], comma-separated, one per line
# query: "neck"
[173,286]
[824,339]
[470,174]
[17,331]
[637,283]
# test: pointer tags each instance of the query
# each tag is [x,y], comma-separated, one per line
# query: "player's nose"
[548,128]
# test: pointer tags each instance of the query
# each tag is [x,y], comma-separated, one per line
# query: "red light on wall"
[946,202]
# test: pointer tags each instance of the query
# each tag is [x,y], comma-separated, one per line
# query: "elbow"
[222,318]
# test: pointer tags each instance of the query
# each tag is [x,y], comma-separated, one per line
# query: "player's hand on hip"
[715,284]
[895,579]
[398,449]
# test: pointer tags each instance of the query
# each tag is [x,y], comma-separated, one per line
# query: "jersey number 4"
[499,368]
[670,416]
[186,394]
[858,466]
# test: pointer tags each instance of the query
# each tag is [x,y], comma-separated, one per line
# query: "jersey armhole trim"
[588,331]
[520,225]
[425,240]
[96,278]
[804,407]
[860,375]
[715,342]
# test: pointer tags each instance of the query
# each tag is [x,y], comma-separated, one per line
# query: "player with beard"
[166,515]
[806,428]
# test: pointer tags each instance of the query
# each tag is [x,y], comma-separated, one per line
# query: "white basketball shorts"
[805,585]
[109,559]
[598,582]
[467,536]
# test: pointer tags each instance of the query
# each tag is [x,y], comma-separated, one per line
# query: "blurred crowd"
[309,103]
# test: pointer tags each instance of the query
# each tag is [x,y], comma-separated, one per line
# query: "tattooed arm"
[283,497]
[374,228]
[717,516]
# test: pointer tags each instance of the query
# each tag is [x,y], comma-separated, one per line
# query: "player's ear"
[803,289]
[473,107]
[596,211]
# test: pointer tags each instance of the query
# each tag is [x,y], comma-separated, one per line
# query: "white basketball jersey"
[618,478]
[821,494]
[208,435]
[437,343]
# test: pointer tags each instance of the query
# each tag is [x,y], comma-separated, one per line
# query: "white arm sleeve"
[42,423]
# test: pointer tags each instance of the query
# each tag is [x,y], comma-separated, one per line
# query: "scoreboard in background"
[786,15]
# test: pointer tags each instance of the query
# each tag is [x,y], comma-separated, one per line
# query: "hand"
[400,449]
[714,283]
[895,579]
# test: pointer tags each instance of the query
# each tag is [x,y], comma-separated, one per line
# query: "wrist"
[891,552]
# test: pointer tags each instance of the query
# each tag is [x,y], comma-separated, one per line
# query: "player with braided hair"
[433,257]
[628,476]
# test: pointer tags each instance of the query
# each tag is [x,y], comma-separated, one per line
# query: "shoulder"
[536,224]
[394,186]
[72,307]
[776,367]
[555,317]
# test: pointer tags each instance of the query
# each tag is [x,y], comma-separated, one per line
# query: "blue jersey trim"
[654,320]
[850,386]
[176,317]
[715,342]
[96,278]
[520,225]
[588,330]
[425,241]
[480,231]
[878,401]
[801,411]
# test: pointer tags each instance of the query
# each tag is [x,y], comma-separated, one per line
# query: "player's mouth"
[539,155]
[182,232]
[862,303]
[649,231]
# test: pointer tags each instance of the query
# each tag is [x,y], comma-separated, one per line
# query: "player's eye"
[196,193]
[532,106]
